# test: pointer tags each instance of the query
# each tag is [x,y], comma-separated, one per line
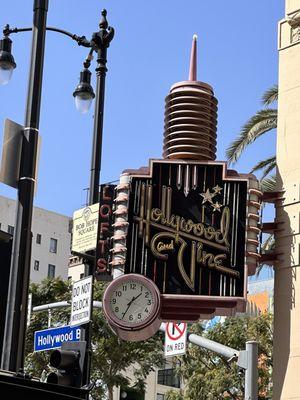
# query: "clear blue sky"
[237,55]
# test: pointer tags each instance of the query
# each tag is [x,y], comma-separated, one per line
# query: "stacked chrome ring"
[190,129]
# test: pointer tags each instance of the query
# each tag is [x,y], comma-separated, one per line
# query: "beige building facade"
[287,282]
[158,383]
[51,240]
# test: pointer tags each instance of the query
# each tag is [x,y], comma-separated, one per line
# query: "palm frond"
[266,247]
[263,121]
[270,95]
[268,165]
[268,244]
[264,163]
[268,169]
[268,184]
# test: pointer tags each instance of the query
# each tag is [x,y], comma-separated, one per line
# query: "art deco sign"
[188,230]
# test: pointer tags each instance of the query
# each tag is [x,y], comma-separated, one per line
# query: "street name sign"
[175,339]
[85,228]
[53,338]
[81,301]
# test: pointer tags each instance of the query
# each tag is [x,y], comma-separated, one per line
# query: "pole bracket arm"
[242,360]
[81,40]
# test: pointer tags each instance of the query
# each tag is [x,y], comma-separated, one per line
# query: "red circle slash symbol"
[175,331]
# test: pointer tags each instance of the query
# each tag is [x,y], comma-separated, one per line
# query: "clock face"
[131,301]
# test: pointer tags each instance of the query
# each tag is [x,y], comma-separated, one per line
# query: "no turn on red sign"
[175,338]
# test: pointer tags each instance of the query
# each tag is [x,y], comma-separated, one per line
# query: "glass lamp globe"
[83,102]
[7,62]
[84,92]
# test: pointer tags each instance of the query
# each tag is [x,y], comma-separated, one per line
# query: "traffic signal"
[68,361]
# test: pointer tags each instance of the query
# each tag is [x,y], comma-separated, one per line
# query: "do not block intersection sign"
[81,301]
[175,338]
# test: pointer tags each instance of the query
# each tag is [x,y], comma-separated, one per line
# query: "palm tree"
[263,121]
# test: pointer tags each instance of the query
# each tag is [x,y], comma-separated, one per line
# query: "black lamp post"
[15,326]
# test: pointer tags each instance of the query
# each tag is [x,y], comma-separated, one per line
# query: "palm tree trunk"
[110,392]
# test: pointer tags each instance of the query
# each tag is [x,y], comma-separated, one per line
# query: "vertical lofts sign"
[189,231]
[105,232]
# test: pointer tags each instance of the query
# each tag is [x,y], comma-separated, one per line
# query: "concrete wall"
[49,225]
[76,269]
[287,286]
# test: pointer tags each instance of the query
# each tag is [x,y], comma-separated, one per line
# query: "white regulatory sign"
[81,301]
[175,339]
[85,227]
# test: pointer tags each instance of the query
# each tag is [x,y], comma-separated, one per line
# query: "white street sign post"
[175,339]
[85,228]
[81,301]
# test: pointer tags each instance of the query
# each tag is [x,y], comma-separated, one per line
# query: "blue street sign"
[53,338]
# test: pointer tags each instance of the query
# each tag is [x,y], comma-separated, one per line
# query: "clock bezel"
[140,279]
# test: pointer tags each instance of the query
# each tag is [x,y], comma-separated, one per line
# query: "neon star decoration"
[207,196]
[217,189]
[217,206]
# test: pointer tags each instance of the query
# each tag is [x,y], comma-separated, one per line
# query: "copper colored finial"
[193,60]
[190,129]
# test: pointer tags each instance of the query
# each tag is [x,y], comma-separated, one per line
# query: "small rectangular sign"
[85,228]
[175,339]
[53,338]
[81,301]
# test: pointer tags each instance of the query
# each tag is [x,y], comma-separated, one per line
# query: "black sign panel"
[187,229]
[105,232]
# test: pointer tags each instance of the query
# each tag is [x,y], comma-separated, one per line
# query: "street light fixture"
[84,92]
[7,62]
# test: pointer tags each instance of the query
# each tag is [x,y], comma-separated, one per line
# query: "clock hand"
[128,305]
[136,297]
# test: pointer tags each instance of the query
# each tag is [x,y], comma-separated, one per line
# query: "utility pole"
[15,325]
[287,238]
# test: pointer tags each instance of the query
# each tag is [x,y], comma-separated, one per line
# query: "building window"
[0,226]
[160,396]
[51,271]
[81,275]
[36,265]
[53,245]
[38,238]
[10,229]
[168,377]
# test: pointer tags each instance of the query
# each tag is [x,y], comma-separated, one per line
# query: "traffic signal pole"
[15,324]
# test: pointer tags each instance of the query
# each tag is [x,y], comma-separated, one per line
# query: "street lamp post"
[15,326]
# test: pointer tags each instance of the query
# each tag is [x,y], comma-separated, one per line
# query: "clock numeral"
[146,309]
[130,317]
[118,293]
[116,309]
[141,288]
[139,316]
[149,302]
[147,295]
[114,301]
[124,288]
[132,286]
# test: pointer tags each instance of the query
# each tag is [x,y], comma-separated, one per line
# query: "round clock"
[131,304]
